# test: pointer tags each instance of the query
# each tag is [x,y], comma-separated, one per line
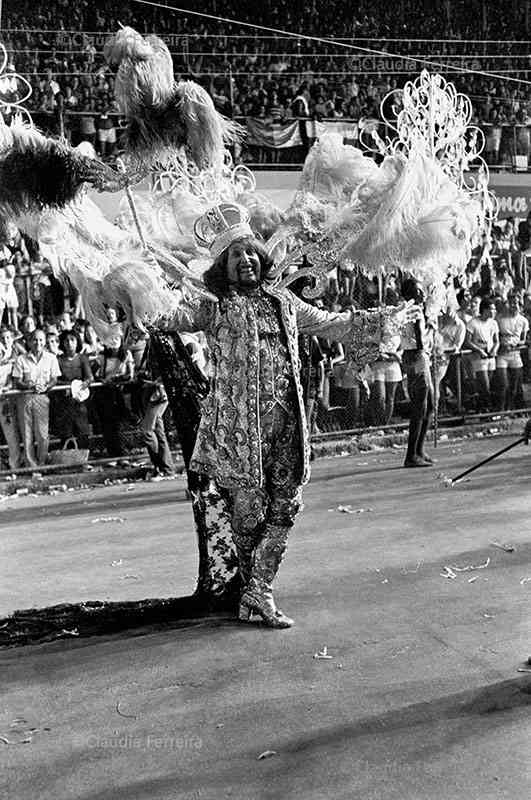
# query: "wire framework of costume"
[420,210]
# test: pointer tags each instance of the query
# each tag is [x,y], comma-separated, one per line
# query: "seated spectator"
[36,372]
[483,339]
[8,405]
[514,329]
[71,414]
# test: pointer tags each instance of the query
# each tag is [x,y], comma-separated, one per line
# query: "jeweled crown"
[221,225]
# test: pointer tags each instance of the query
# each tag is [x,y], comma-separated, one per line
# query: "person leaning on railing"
[71,413]
[36,372]
[8,406]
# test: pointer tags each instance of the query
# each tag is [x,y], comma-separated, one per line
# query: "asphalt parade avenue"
[414,598]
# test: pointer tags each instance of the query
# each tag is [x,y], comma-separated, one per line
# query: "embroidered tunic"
[253,342]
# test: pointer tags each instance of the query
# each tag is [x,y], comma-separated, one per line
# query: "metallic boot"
[258,596]
[245,549]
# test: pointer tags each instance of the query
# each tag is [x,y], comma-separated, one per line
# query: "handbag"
[69,456]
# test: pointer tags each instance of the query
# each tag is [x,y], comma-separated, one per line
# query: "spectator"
[36,372]
[8,406]
[502,283]
[106,132]
[8,295]
[71,414]
[91,345]
[52,340]
[483,339]
[116,367]
[27,329]
[386,378]
[513,330]
[64,322]
[451,337]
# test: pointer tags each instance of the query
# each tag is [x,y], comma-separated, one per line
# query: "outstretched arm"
[363,333]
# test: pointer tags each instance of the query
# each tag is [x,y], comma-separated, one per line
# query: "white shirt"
[40,372]
[483,332]
[513,330]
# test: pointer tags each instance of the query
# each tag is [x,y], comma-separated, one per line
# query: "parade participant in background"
[153,404]
[416,345]
[35,372]
[253,438]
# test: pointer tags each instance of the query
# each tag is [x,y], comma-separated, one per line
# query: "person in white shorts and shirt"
[514,329]
[483,340]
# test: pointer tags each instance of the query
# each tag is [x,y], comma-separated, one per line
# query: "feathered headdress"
[163,115]
[37,172]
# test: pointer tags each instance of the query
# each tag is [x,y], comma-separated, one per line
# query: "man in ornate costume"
[253,438]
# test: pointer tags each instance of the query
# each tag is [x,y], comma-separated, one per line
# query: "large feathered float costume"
[415,211]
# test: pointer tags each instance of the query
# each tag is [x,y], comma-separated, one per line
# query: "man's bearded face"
[243,264]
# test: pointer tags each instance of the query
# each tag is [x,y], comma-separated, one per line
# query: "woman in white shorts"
[386,376]
[483,340]
[514,329]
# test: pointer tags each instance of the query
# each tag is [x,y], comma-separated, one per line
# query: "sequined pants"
[280,500]
[262,519]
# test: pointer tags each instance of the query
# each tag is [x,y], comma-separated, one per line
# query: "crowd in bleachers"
[68,75]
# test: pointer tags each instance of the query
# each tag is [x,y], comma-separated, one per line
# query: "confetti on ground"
[471,567]
[472,580]
[267,754]
[107,519]
[525,580]
[349,510]
[508,548]
[116,563]
[448,573]
[322,654]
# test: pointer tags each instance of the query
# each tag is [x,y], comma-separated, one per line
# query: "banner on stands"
[287,134]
